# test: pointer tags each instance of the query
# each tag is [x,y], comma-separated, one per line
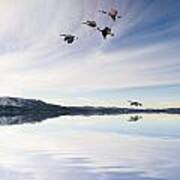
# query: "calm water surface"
[92,148]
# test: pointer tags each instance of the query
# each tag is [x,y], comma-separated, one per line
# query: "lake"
[124,147]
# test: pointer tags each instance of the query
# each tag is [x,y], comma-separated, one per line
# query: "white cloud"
[34,59]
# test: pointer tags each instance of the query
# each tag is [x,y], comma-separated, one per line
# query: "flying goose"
[105,32]
[92,24]
[135,103]
[113,14]
[69,38]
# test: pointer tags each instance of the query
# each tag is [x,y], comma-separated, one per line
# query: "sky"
[141,62]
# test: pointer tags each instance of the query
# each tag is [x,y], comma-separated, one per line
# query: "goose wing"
[102,11]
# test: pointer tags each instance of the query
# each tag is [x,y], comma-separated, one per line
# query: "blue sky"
[140,62]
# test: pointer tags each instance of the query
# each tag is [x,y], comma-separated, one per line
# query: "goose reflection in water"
[135,118]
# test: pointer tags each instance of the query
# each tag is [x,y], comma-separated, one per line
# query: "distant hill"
[19,110]
[20,106]
[20,102]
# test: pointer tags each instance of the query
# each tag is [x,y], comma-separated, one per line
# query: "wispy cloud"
[34,59]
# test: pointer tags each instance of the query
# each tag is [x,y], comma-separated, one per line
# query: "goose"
[135,103]
[105,32]
[92,24]
[113,14]
[69,38]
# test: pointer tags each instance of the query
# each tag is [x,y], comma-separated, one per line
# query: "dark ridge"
[19,111]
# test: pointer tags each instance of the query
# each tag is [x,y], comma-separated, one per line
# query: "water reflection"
[71,171]
[105,172]
[22,119]
[86,148]
[135,118]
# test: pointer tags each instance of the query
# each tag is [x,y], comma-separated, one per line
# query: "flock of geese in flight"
[107,31]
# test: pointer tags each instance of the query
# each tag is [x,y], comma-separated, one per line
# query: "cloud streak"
[33,59]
